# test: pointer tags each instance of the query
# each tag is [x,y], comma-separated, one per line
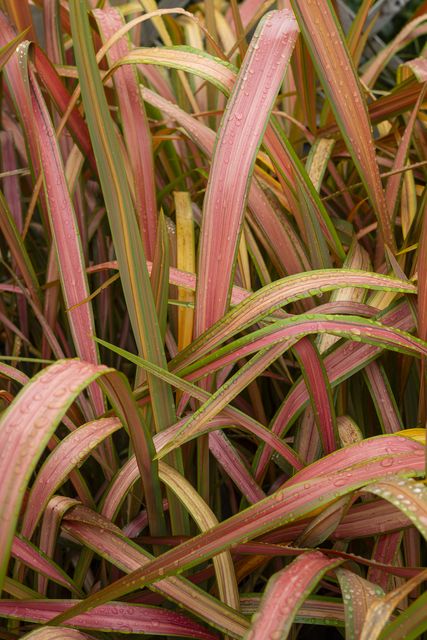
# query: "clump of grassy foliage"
[214,319]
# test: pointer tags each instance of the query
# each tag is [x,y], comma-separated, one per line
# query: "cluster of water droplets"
[21,52]
[409,496]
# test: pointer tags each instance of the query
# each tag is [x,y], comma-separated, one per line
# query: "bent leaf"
[25,428]
[285,594]
[284,506]
[118,616]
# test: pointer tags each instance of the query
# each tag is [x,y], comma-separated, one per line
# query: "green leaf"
[121,215]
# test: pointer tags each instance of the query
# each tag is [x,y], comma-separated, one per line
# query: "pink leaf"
[238,141]
[135,129]
[26,427]
[232,463]
[97,533]
[284,506]
[117,616]
[69,453]
[280,236]
[342,362]
[282,292]
[31,556]
[285,594]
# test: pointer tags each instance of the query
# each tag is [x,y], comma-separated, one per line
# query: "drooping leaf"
[286,592]
[119,616]
[357,597]
[283,292]
[105,539]
[33,557]
[345,360]
[284,506]
[69,453]
[205,519]
[232,415]
[25,428]
[408,496]
[64,227]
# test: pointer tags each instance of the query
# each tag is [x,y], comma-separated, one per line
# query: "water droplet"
[40,423]
[56,404]
[339,482]
[59,392]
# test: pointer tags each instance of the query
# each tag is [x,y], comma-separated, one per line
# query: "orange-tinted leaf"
[326,42]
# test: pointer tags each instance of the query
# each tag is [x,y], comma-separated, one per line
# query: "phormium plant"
[213,320]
